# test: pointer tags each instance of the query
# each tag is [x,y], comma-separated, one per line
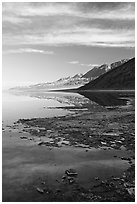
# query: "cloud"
[94,65]
[88,37]
[63,24]
[83,64]
[74,62]
[15,20]
[89,65]
[83,10]
[28,50]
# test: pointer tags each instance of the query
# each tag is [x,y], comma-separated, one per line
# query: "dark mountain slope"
[119,78]
[96,71]
[102,69]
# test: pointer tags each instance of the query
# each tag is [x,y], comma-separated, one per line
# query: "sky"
[43,42]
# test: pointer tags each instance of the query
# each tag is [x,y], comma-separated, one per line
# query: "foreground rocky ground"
[108,129]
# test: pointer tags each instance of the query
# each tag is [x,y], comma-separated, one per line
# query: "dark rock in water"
[63,177]
[41,143]
[23,137]
[71,180]
[40,190]
[71,172]
[58,190]
[43,182]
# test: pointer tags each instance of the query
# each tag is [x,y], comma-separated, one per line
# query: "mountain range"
[121,77]
[99,70]
[75,81]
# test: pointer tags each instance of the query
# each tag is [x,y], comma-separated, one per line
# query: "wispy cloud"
[28,50]
[83,10]
[89,65]
[74,62]
[83,64]
[59,24]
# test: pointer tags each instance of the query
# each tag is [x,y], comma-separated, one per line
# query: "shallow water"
[49,104]
[25,163]
[16,106]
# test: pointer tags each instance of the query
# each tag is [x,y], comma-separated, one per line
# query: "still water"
[16,106]
[26,164]
[49,104]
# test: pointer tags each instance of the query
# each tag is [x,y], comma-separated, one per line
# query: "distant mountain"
[66,82]
[121,77]
[71,82]
[96,71]
[99,70]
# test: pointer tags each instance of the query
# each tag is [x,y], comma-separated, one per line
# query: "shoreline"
[99,146]
[93,90]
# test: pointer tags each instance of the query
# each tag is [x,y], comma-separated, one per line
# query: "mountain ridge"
[118,78]
[72,82]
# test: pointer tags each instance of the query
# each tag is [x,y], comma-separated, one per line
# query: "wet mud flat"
[87,156]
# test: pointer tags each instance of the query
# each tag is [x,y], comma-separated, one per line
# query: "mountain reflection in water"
[108,98]
[84,98]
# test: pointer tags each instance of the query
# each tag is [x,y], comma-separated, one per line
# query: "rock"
[42,143]
[23,137]
[130,162]
[43,182]
[63,177]
[49,131]
[40,190]
[58,190]
[71,180]
[103,143]
[131,191]
[116,179]
[96,178]
[57,180]
[71,172]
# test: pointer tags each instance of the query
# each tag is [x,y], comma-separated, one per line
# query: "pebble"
[40,190]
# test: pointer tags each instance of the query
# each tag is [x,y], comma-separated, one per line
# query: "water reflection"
[108,98]
[83,99]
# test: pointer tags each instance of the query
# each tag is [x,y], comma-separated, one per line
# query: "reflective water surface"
[49,104]
[26,165]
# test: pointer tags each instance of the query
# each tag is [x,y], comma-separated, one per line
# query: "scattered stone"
[40,190]
[71,172]
[116,179]
[71,180]
[58,190]
[103,143]
[49,131]
[131,191]
[23,137]
[63,177]
[43,182]
[42,143]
